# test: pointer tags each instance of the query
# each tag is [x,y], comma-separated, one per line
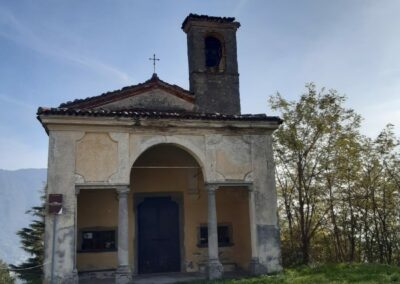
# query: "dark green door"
[158,235]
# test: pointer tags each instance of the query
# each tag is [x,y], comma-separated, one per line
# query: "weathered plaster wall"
[233,157]
[268,241]
[96,157]
[61,179]
[156,99]
[232,209]
[97,209]
[102,157]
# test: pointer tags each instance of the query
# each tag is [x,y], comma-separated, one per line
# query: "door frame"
[177,197]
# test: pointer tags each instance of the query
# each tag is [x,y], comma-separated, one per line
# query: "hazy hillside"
[19,191]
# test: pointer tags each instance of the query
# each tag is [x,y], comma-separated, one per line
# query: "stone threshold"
[107,277]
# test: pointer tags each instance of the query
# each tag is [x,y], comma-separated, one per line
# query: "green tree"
[306,151]
[380,207]
[5,277]
[32,242]
[339,191]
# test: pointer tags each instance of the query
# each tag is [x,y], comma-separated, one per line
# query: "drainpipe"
[53,249]
[55,208]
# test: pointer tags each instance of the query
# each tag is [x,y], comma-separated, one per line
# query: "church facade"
[154,178]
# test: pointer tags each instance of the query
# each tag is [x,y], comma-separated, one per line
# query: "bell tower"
[213,67]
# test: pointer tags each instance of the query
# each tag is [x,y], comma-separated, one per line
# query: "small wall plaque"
[55,203]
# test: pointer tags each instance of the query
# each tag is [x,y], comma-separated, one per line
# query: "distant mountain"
[19,191]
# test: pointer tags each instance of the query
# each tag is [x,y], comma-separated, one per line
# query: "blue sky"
[55,51]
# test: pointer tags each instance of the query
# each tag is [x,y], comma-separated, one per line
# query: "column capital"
[122,190]
[210,187]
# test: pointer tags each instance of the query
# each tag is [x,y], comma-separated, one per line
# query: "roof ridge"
[107,96]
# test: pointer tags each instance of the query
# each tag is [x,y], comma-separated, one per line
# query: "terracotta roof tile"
[134,113]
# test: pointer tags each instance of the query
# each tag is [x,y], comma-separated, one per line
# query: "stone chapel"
[153,178]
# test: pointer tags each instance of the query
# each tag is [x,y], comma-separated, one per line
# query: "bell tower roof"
[208,21]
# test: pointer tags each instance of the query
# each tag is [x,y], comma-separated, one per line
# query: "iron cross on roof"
[154,62]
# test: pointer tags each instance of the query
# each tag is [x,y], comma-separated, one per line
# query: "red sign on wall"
[55,203]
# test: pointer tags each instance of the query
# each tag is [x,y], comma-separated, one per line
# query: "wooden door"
[158,235]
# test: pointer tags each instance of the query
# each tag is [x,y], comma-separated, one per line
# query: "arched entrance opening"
[166,181]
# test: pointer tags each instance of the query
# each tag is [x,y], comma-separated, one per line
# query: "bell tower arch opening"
[214,54]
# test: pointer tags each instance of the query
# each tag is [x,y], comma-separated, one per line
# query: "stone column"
[123,274]
[255,267]
[215,269]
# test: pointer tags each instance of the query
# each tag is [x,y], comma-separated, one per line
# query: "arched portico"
[213,218]
[216,219]
[169,171]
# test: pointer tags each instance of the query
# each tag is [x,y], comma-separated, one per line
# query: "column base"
[215,269]
[71,278]
[123,275]
[256,268]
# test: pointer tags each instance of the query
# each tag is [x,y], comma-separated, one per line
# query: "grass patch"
[343,273]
